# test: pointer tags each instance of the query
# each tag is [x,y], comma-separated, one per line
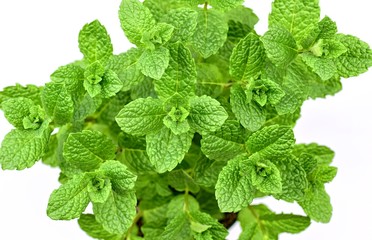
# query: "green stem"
[135,220]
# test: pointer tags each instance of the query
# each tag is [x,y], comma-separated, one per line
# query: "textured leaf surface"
[117,213]
[95,43]
[297,16]
[210,33]
[204,226]
[356,60]
[248,58]
[234,190]
[142,116]
[58,103]
[136,19]
[225,143]
[166,150]
[317,204]
[16,110]
[206,114]
[280,46]
[250,115]
[325,68]
[126,67]
[180,76]
[29,91]
[70,200]
[225,4]
[87,150]
[21,149]
[90,226]
[184,22]
[271,141]
[154,62]
[121,179]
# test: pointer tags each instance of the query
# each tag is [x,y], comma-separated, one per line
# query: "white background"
[36,37]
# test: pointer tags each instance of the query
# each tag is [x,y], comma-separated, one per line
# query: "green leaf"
[158,36]
[297,16]
[87,150]
[295,83]
[322,154]
[16,110]
[317,204]
[110,107]
[121,179]
[265,176]
[248,58]
[29,91]
[234,189]
[324,67]
[206,114]
[142,116]
[90,226]
[70,199]
[117,213]
[184,22]
[50,157]
[206,172]
[166,150]
[126,67]
[327,27]
[259,222]
[203,225]
[224,144]
[178,228]
[99,189]
[179,204]
[294,182]
[136,19]
[182,181]
[280,46]
[210,33]
[210,80]
[95,43]
[356,60]
[243,15]
[271,141]
[154,62]
[324,174]
[180,76]
[58,102]
[249,114]
[21,149]
[225,5]
[111,84]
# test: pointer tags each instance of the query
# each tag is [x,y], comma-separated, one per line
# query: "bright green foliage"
[154,62]
[280,46]
[89,224]
[70,200]
[195,120]
[234,189]
[23,148]
[259,222]
[210,33]
[88,149]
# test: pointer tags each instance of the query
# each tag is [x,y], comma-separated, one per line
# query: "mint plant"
[176,137]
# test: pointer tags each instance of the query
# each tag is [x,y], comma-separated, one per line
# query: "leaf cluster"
[194,122]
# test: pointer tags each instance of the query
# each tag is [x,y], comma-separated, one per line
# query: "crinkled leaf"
[87,150]
[206,114]
[249,114]
[121,179]
[117,213]
[184,22]
[136,19]
[248,58]
[70,199]
[21,149]
[95,43]
[142,116]
[225,5]
[182,181]
[166,150]
[234,189]
[154,62]
[90,226]
[225,143]
[180,76]
[210,33]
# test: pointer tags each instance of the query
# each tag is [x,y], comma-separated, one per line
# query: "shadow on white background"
[39,36]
